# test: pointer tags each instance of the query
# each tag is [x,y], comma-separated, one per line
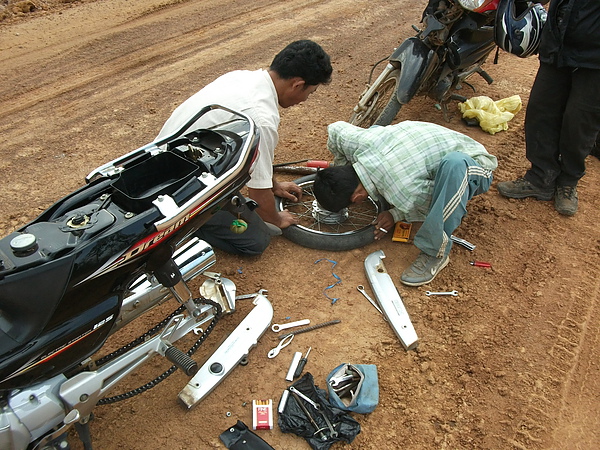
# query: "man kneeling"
[425,172]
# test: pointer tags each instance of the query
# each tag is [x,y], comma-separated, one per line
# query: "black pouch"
[240,437]
[294,420]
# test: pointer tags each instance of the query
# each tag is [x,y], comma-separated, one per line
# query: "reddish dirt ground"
[512,362]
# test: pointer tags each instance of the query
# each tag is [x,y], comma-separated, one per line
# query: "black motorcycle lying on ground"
[105,255]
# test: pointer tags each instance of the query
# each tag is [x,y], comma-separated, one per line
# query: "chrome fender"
[389,300]
[417,62]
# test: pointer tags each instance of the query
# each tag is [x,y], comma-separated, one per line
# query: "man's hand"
[385,221]
[266,208]
[287,189]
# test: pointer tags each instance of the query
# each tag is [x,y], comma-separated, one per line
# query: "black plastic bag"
[293,418]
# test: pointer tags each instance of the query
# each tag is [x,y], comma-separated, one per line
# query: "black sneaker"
[521,188]
[566,200]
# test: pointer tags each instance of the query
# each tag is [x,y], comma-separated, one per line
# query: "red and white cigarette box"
[262,414]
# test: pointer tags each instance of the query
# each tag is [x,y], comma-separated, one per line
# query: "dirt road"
[512,362]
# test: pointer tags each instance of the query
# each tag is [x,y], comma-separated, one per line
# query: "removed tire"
[323,230]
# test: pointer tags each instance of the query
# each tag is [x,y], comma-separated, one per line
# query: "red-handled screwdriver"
[301,364]
[480,264]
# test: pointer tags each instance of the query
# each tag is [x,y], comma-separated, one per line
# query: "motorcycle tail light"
[479,6]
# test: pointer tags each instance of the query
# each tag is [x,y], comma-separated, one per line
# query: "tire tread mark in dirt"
[543,413]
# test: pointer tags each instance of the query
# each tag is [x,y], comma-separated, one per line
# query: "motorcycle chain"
[172,369]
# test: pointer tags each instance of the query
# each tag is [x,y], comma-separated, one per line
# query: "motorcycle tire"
[322,230]
[383,106]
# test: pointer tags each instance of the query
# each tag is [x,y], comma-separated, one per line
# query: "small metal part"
[279,327]
[311,328]
[293,366]
[284,343]
[361,289]
[452,293]
[305,398]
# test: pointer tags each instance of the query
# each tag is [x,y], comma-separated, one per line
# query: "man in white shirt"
[295,73]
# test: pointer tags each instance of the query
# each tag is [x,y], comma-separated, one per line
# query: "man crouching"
[426,173]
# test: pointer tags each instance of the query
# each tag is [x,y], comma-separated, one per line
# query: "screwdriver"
[301,364]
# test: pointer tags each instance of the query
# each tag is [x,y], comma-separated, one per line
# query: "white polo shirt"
[250,92]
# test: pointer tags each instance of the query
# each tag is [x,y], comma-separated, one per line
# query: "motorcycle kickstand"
[83,431]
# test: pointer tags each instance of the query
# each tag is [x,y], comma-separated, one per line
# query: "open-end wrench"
[245,296]
[452,293]
[305,397]
[277,327]
[361,289]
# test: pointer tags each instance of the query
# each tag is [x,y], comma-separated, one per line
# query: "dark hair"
[334,186]
[305,59]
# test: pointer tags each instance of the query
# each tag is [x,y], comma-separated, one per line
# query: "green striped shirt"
[399,162]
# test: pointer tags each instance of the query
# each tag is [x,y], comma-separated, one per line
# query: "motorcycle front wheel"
[383,106]
[323,230]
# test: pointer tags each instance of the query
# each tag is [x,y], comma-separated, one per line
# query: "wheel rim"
[377,103]
[311,217]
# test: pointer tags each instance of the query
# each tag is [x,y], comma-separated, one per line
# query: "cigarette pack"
[262,414]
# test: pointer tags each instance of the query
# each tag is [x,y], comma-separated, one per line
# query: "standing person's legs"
[544,124]
[580,126]
[458,179]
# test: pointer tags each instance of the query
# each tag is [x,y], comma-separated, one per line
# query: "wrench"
[305,397]
[361,289]
[277,327]
[245,296]
[452,293]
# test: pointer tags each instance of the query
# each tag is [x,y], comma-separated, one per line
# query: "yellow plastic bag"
[493,116]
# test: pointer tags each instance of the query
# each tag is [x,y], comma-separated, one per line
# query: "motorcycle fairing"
[416,60]
[86,298]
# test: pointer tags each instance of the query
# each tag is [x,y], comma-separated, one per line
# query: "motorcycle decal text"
[62,348]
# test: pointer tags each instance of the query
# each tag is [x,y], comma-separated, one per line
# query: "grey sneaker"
[423,270]
[521,188]
[566,200]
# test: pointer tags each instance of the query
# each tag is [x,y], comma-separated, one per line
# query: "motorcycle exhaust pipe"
[192,258]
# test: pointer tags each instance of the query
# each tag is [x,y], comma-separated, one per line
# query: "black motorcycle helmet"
[519,26]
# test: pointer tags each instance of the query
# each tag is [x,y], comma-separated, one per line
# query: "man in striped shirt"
[425,172]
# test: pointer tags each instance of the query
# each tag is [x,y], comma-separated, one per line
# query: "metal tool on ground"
[318,430]
[246,296]
[301,364]
[311,328]
[306,398]
[452,293]
[279,327]
[361,289]
[464,243]
[284,343]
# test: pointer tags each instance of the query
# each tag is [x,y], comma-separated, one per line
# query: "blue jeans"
[458,179]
